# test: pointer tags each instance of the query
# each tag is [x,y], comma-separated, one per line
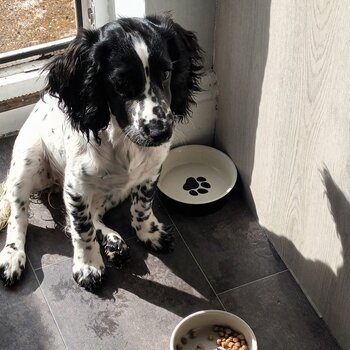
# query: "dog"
[101,131]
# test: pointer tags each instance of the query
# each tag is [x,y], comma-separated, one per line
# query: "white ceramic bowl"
[197,174]
[206,319]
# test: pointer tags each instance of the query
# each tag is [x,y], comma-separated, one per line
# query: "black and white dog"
[101,131]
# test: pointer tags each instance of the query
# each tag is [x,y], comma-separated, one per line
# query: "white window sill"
[21,79]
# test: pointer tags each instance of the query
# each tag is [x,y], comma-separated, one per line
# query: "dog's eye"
[165,75]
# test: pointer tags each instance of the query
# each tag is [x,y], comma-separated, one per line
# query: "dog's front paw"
[12,263]
[115,249]
[155,235]
[88,276]
[88,271]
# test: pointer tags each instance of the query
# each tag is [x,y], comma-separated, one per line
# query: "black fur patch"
[12,245]
[81,226]
[28,161]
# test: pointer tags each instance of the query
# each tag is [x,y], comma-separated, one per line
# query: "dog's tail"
[5,208]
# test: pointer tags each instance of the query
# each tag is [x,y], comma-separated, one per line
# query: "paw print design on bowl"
[196,186]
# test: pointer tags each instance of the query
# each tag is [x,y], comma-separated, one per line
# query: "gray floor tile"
[229,244]
[279,314]
[26,321]
[138,306]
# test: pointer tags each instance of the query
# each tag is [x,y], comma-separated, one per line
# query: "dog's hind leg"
[25,176]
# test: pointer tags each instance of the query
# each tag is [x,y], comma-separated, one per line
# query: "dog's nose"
[159,131]
[160,134]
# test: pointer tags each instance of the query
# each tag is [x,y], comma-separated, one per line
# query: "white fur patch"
[147,112]
[142,51]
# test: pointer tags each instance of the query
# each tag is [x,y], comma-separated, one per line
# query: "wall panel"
[284,110]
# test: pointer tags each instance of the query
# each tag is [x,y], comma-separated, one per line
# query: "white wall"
[195,15]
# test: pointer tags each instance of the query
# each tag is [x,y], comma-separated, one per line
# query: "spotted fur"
[101,132]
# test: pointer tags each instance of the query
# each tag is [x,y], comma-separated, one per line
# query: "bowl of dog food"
[213,330]
[197,178]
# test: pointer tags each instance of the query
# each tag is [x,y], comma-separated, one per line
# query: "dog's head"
[143,72]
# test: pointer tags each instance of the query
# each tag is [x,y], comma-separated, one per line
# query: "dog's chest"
[124,167]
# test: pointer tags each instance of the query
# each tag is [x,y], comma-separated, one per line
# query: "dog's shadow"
[165,280]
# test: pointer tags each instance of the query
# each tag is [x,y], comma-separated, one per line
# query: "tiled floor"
[222,260]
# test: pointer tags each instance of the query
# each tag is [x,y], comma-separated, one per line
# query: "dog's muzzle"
[158,131]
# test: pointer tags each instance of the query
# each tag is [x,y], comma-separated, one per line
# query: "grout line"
[48,305]
[54,263]
[197,263]
[252,282]
[194,258]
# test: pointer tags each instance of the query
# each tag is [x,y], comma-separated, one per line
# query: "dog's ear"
[187,59]
[74,78]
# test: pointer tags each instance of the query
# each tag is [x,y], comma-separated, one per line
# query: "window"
[32,27]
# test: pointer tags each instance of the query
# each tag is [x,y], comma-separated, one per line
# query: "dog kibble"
[228,339]
[224,337]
